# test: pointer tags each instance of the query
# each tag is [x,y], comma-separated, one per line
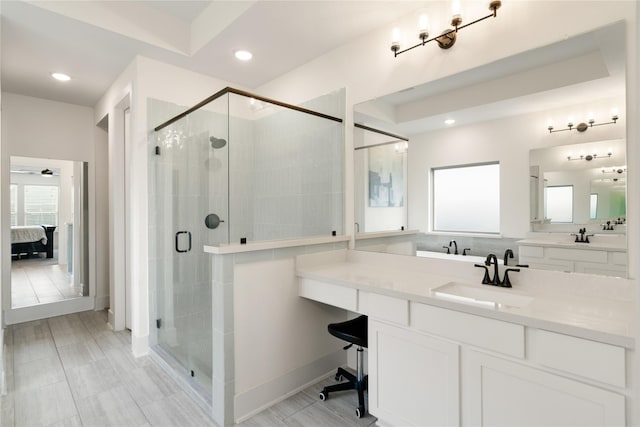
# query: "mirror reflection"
[49,208]
[380,162]
[583,184]
[500,113]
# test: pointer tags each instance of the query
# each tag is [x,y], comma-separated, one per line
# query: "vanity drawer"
[490,334]
[336,295]
[531,251]
[382,307]
[586,358]
[584,255]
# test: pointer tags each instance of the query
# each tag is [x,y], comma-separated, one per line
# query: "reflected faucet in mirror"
[456,246]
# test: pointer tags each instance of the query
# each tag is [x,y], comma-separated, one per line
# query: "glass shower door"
[191,211]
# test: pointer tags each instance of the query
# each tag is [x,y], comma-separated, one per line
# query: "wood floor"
[74,371]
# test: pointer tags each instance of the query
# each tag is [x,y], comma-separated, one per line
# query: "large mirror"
[500,114]
[49,238]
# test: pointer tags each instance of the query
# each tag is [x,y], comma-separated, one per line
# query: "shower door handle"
[188,233]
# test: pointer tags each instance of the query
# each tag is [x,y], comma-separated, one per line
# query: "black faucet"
[608,226]
[582,238]
[456,246]
[495,281]
[507,254]
[492,259]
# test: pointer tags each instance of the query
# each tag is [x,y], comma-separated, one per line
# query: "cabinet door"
[413,378]
[498,392]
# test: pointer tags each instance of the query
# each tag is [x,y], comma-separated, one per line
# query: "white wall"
[34,127]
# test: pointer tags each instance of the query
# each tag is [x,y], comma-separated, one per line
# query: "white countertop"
[591,307]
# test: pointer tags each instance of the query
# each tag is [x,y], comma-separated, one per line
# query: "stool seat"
[353,331]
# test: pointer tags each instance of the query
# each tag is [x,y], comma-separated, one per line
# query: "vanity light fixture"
[583,126]
[447,38]
[589,157]
[614,170]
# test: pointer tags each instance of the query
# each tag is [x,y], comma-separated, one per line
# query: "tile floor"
[35,281]
[74,371]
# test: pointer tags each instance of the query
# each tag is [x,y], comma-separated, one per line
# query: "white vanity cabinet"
[413,378]
[416,378]
[556,361]
[501,392]
[581,260]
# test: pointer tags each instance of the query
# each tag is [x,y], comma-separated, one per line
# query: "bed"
[32,239]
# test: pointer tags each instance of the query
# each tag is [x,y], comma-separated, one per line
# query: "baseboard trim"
[139,345]
[102,302]
[251,402]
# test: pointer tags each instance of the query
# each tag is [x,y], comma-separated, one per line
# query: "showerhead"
[217,142]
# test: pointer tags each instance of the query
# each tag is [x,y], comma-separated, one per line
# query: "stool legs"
[356,382]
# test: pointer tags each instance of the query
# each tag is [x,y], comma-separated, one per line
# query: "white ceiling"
[93,41]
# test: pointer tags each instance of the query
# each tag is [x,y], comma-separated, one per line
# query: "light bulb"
[395,35]
[456,19]
[395,40]
[455,7]
[423,26]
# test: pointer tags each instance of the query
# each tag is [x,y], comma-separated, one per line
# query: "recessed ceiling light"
[449,122]
[243,55]
[61,77]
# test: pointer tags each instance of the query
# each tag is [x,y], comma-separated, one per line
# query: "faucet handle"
[506,283]
[485,280]
[464,251]
[447,248]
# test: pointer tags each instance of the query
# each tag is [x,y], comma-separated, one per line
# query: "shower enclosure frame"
[229,89]
[163,353]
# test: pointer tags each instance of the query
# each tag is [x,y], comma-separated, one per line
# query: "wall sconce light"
[582,126]
[447,38]
[47,173]
[589,157]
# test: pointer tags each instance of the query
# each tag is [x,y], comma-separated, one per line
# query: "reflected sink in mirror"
[453,257]
[491,298]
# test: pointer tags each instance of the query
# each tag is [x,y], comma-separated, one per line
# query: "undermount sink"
[493,298]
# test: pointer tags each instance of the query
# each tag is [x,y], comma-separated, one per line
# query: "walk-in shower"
[235,167]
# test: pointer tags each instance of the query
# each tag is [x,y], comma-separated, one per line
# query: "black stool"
[355,332]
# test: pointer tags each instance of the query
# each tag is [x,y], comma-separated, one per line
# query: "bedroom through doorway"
[48,245]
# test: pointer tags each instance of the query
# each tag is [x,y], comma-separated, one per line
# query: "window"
[559,204]
[40,204]
[14,204]
[593,206]
[467,198]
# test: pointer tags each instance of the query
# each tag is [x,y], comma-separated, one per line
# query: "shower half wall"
[235,167]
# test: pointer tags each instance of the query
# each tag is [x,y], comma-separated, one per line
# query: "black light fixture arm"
[581,127]
[449,34]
